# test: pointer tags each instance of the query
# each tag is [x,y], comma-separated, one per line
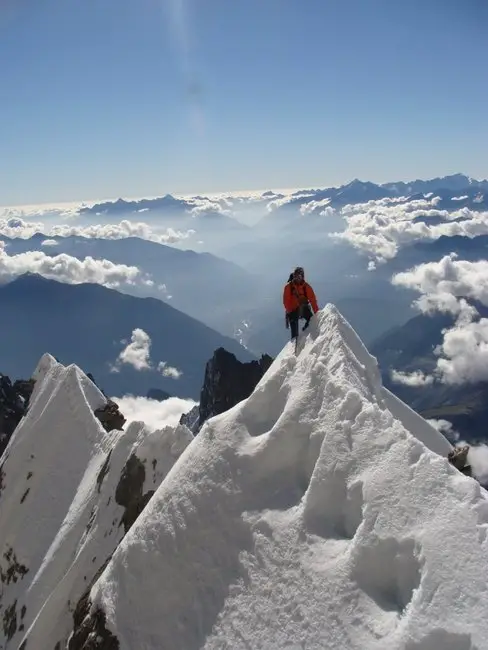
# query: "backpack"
[290,281]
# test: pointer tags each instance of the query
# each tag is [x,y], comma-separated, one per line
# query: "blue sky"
[108,98]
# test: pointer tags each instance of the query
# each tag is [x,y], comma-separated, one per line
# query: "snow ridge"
[320,512]
[67,496]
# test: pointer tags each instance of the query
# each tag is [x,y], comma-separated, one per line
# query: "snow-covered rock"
[69,491]
[321,512]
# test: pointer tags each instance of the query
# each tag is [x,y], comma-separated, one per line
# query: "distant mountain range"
[357,191]
[245,301]
[197,212]
[456,191]
[193,280]
[467,248]
[86,324]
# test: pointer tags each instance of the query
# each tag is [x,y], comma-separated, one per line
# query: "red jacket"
[296,294]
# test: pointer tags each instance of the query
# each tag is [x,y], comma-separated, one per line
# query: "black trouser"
[293,317]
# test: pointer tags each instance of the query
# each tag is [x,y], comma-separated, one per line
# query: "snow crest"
[321,512]
[68,492]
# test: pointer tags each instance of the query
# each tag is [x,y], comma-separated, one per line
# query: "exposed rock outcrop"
[110,416]
[89,628]
[227,382]
[191,419]
[129,492]
[14,401]
[459,458]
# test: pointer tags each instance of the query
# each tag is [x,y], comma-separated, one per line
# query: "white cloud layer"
[380,228]
[464,353]
[153,413]
[66,268]
[15,227]
[444,286]
[169,371]
[445,283]
[310,206]
[416,378]
[445,427]
[478,459]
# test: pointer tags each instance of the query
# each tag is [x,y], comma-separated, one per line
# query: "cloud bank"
[416,378]
[153,413]
[478,459]
[446,286]
[380,228]
[16,227]
[66,268]
[445,283]
[446,428]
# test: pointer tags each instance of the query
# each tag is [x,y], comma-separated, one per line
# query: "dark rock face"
[129,491]
[191,419]
[14,401]
[110,416]
[11,570]
[89,624]
[459,458]
[228,381]
[90,631]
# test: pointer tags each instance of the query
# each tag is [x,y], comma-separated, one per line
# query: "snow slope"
[321,512]
[64,498]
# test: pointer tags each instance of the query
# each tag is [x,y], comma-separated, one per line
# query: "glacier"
[320,512]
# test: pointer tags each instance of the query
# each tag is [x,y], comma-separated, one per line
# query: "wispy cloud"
[281,201]
[183,40]
[445,427]
[137,354]
[169,371]
[416,378]
[202,206]
[66,268]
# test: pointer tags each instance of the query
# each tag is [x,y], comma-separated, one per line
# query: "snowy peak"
[69,492]
[308,515]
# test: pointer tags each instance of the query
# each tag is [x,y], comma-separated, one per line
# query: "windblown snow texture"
[68,492]
[321,512]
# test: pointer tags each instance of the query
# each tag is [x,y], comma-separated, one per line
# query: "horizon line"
[218,194]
